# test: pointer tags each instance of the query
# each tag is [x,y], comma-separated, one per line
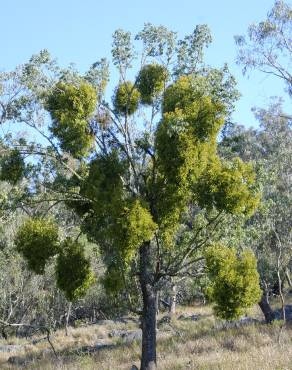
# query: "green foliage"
[104,186]
[12,167]
[126,99]
[267,46]
[151,81]
[188,89]
[234,281]
[37,241]
[185,143]
[190,50]
[73,272]
[118,223]
[124,221]
[134,227]
[98,76]
[113,279]
[229,187]
[71,106]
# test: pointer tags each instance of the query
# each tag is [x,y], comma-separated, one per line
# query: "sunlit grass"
[184,344]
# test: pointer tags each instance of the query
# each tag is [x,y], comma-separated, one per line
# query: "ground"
[194,340]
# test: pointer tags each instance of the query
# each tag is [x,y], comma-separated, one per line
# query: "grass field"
[184,344]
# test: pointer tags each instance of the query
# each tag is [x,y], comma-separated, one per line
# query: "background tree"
[269,230]
[268,46]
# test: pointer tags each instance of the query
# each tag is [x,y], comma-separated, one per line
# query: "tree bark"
[172,303]
[266,308]
[287,274]
[148,359]
[67,318]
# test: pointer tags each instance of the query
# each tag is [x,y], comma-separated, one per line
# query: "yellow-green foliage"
[234,281]
[150,82]
[118,223]
[185,142]
[12,167]
[118,218]
[37,241]
[185,91]
[73,272]
[134,227]
[228,186]
[126,99]
[71,106]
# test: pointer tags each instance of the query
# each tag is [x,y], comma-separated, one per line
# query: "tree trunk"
[148,359]
[287,274]
[266,309]
[67,318]
[172,303]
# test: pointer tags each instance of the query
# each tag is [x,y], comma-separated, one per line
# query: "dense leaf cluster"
[73,272]
[37,241]
[12,167]
[126,99]
[151,81]
[234,281]
[71,106]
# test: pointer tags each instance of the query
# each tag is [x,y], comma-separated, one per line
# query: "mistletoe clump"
[234,281]
[135,226]
[12,167]
[73,272]
[229,186]
[37,241]
[151,81]
[71,106]
[126,99]
[185,143]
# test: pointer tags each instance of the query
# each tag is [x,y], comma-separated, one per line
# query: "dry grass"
[201,344]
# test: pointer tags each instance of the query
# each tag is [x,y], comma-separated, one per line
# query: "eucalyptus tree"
[141,172]
[268,231]
[268,46]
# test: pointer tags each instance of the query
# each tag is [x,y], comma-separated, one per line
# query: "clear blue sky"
[80,31]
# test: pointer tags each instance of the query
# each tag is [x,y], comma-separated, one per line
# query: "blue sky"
[80,31]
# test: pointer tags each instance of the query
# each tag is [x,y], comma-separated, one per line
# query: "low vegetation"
[195,339]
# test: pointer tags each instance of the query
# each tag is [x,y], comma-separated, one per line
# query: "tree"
[142,174]
[268,231]
[269,45]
